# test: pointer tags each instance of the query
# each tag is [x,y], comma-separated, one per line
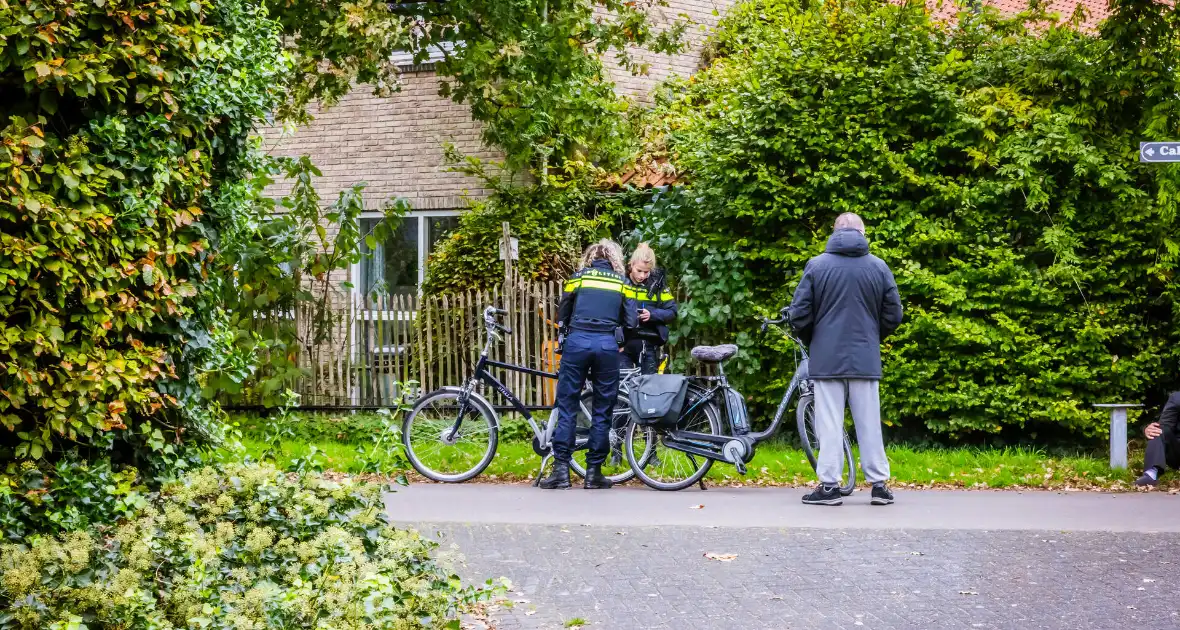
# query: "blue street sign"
[1159,151]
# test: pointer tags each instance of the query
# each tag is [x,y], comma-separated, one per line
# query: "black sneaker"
[881,495]
[824,495]
[1147,481]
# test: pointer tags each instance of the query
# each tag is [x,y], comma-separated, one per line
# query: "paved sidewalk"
[781,507]
[635,559]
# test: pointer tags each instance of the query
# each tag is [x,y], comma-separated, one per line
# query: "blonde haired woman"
[656,308]
[595,309]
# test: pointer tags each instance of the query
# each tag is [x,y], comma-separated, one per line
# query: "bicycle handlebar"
[489,319]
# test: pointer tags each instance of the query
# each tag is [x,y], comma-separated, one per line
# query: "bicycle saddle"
[714,354]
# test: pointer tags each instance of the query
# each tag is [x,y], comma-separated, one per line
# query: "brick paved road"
[628,576]
[641,578]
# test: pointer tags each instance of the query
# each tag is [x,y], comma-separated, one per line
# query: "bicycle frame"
[483,375]
[703,443]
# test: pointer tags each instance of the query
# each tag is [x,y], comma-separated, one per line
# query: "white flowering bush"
[242,547]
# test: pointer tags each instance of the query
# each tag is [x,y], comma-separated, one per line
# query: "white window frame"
[423,238]
[423,217]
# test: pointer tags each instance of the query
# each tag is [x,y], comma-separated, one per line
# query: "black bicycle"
[451,434]
[674,458]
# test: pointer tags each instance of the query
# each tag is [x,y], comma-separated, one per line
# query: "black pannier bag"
[657,399]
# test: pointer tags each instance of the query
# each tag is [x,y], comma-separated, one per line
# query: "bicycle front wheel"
[805,418]
[664,468]
[440,452]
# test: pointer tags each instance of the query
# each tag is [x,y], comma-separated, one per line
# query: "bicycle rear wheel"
[441,454]
[664,468]
[805,418]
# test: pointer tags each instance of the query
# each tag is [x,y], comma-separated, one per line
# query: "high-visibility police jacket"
[596,299]
[654,296]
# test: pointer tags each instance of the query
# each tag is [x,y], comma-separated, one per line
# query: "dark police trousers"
[643,354]
[593,354]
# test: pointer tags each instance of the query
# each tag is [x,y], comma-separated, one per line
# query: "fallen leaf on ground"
[696,507]
[1148,580]
[722,557]
[968,593]
[530,612]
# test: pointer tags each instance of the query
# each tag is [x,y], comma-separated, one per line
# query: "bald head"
[850,221]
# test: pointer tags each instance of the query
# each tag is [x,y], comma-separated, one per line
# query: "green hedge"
[996,168]
[127,166]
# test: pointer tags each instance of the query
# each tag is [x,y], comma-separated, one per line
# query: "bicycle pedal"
[740,466]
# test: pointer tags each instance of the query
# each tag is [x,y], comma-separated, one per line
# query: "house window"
[397,264]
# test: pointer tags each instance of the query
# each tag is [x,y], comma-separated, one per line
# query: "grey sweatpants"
[863,398]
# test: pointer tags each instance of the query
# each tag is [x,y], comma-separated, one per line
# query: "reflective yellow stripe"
[605,285]
[666,297]
[631,292]
[573,284]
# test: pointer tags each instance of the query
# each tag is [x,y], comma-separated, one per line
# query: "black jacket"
[595,299]
[1170,421]
[654,296]
[846,304]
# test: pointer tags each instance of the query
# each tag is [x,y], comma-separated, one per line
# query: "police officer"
[656,308]
[595,310]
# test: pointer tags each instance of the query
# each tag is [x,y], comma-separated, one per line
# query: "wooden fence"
[383,349]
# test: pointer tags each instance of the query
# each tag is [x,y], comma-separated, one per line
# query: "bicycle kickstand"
[541,471]
[702,483]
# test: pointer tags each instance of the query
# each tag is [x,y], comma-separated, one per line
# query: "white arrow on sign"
[1159,151]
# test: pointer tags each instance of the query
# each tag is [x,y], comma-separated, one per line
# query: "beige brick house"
[395,144]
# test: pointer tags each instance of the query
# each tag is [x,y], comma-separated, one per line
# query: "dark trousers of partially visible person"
[1162,454]
[594,355]
[642,353]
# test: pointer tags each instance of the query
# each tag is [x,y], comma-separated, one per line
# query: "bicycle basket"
[657,399]
[739,418]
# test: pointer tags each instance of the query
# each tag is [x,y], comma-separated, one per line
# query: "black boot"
[559,479]
[595,480]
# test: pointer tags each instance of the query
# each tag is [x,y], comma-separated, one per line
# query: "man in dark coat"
[1163,443]
[844,306]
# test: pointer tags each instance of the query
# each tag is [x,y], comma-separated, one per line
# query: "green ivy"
[245,546]
[995,163]
[553,221]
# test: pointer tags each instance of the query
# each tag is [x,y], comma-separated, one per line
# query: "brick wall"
[704,14]
[395,144]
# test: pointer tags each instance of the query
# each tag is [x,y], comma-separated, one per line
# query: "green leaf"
[48,101]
